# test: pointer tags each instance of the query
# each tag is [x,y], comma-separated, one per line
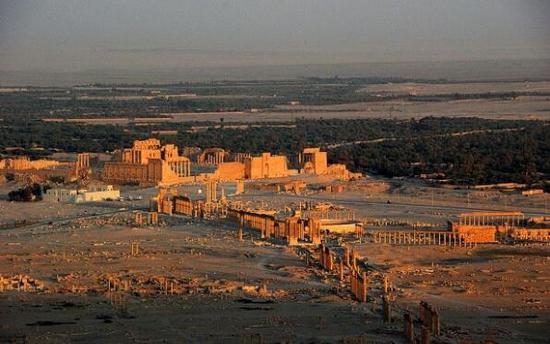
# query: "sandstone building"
[254,167]
[148,163]
[313,161]
[212,156]
[24,163]
[265,166]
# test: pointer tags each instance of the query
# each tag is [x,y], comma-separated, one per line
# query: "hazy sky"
[70,35]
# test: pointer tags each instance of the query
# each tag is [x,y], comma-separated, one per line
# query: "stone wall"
[266,166]
[530,234]
[475,233]
[291,229]
[230,171]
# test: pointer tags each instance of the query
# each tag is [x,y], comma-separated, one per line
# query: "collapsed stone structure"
[471,229]
[81,169]
[313,161]
[168,201]
[228,171]
[310,161]
[296,186]
[163,202]
[70,171]
[292,229]
[212,156]
[239,188]
[254,167]
[482,227]
[148,163]
[24,163]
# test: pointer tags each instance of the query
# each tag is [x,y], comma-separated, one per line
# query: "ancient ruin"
[211,156]
[148,163]
[258,172]
[24,163]
[317,215]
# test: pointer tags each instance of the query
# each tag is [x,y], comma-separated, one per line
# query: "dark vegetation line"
[39,102]
[74,107]
[420,146]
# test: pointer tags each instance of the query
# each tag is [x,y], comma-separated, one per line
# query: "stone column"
[409,328]
[426,337]
[364,289]
[346,255]
[436,326]
[387,309]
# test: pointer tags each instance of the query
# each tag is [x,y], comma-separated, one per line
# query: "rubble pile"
[20,283]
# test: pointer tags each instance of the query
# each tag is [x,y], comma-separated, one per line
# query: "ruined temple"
[314,161]
[212,156]
[148,163]
[266,166]
[254,167]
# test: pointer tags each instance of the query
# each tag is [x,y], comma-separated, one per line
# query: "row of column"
[181,168]
[83,161]
[421,238]
[331,215]
[214,159]
[150,218]
[483,220]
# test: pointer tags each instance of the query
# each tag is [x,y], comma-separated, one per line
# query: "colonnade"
[488,219]
[420,238]
[182,167]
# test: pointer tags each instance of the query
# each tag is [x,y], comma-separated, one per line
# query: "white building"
[60,195]
[95,194]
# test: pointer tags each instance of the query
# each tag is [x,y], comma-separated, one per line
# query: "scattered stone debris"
[20,283]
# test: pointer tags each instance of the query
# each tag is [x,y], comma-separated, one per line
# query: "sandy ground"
[461,88]
[195,282]
[300,304]
[492,291]
[519,108]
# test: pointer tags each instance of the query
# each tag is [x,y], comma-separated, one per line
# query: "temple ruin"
[148,163]
[212,156]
